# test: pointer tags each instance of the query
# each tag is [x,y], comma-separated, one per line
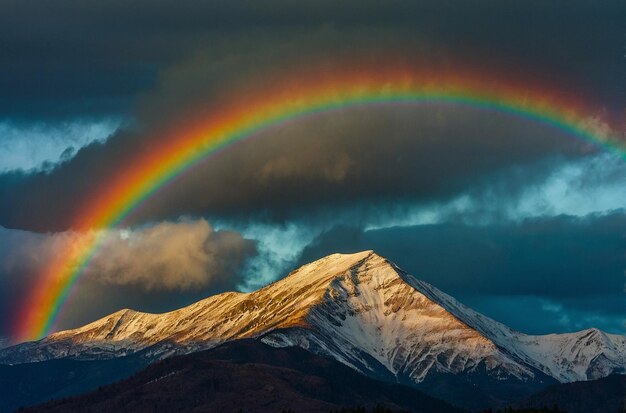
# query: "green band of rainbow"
[245,118]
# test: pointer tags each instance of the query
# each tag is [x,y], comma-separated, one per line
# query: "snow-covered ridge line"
[359,309]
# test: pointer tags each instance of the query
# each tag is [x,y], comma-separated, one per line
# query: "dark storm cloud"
[555,257]
[537,315]
[569,264]
[67,58]
[76,59]
[359,155]
[156,268]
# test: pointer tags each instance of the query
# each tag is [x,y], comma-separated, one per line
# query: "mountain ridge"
[247,375]
[363,311]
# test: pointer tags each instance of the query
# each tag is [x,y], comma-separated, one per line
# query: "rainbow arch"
[243,116]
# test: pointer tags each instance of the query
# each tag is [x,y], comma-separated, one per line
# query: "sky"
[520,221]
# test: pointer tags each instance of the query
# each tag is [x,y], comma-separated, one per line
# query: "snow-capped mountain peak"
[358,308]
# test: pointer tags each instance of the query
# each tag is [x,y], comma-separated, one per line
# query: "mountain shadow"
[248,376]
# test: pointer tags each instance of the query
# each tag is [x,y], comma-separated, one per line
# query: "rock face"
[363,311]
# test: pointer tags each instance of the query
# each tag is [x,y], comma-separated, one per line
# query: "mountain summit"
[365,312]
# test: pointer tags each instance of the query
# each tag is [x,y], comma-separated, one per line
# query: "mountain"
[250,376]
[367,313]
[606,395]
[29,383]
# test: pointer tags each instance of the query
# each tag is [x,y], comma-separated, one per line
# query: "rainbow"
[243,115]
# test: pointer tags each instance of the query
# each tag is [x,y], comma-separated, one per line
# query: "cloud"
[36,145]
[163,65]
[157,268]
[279,246]
[538,315]
[550,256]
[91,57]
[359,155]
[171,256]
[581,188]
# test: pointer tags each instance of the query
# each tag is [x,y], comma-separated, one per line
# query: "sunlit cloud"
[169,260]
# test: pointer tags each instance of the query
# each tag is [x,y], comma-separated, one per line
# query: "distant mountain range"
[367,314]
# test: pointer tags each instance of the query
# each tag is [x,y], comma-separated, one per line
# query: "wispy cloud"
[41,144]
